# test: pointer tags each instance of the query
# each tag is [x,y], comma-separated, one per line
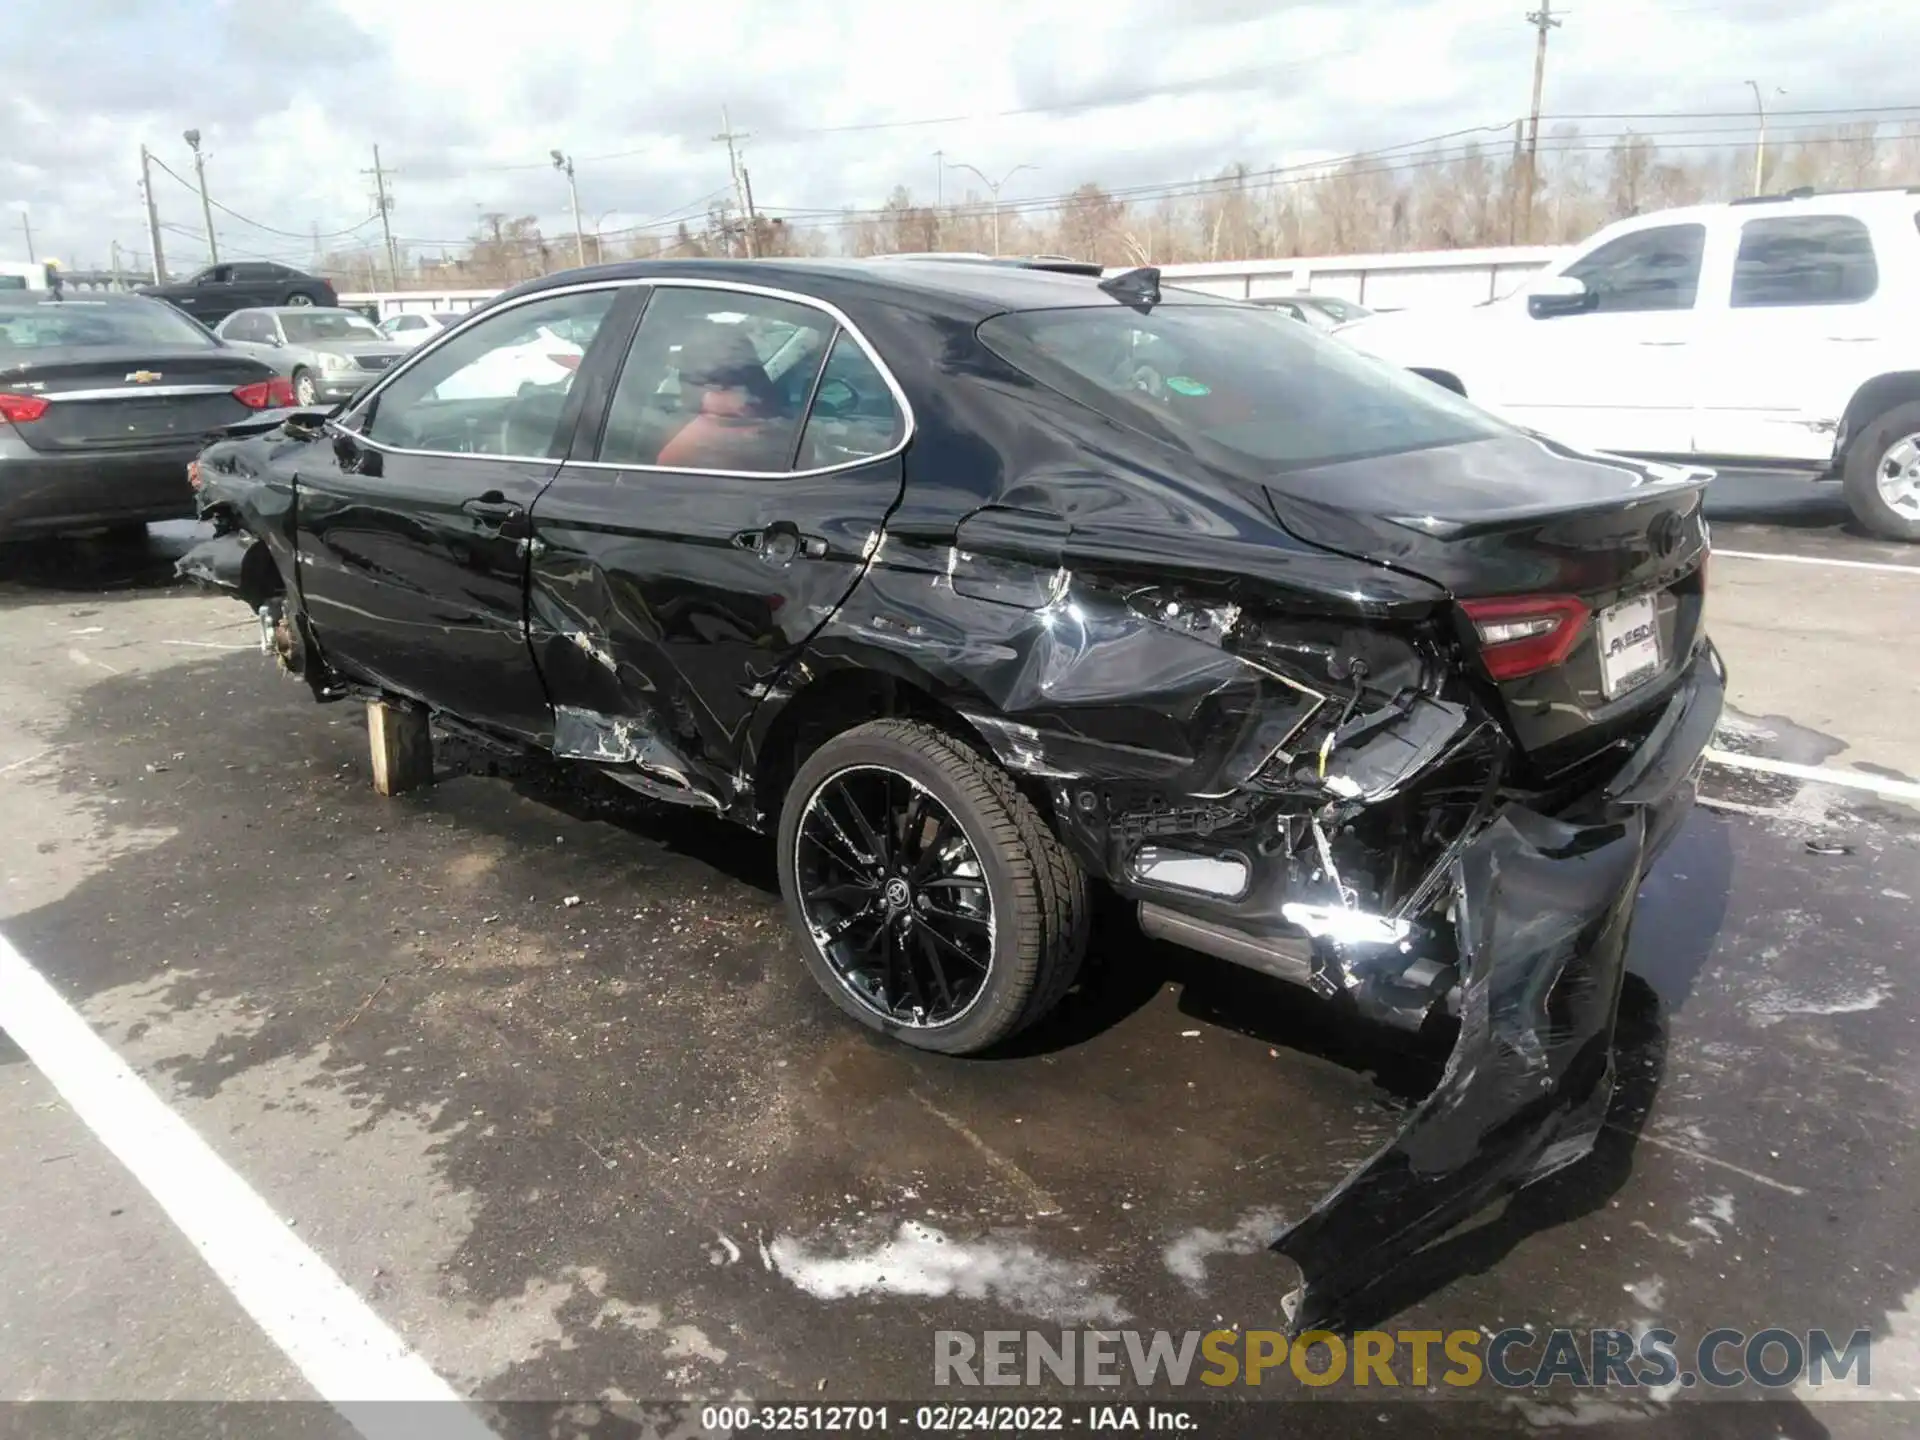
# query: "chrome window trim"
[342,423]
[135,392]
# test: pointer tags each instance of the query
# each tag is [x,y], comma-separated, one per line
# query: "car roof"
[982,289]
[69,296]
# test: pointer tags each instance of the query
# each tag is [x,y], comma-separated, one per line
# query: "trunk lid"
[1507,523]
[129,399]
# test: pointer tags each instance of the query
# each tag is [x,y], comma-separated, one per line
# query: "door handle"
[493,506]
[780,542]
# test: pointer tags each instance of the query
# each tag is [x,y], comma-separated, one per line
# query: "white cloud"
[466,101]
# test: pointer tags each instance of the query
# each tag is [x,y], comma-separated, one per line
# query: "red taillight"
[1525,634]
[266,394]
[19,409]
[566,362]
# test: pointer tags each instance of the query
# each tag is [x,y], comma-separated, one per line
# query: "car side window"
[1657,269]
[497,389]
[854,415]
[243,326]
[214,275]
[716,380]
[1804,260]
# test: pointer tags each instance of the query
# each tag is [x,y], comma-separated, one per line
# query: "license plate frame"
[1627,636]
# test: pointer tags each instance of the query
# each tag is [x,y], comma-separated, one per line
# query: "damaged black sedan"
[977,584]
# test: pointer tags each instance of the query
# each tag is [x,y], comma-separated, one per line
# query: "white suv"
[1781,332]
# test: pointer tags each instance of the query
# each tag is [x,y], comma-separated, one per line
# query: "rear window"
[1252,385]
[59,324]
[328,325]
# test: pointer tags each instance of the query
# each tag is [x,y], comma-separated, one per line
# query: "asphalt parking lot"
[532,1067]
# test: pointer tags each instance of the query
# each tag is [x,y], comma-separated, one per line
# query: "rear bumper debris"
[1542,908]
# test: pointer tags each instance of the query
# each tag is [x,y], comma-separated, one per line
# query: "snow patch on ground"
[919,1260]
[1187,1256]
[1840,1000]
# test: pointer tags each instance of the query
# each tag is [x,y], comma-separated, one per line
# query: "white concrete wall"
[1381,282]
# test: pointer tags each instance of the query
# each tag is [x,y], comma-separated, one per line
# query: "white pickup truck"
[1776,333]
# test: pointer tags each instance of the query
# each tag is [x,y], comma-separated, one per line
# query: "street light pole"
[192,137]
[564,164]
[1760,149]
[993,188]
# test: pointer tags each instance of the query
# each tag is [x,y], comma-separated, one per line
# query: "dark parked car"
[219,290]
[1322,312]
[974,584]
[104,401]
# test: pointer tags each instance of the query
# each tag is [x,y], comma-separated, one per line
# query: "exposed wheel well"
[1445,379]
[834,703]
[1876,397]
[260,578]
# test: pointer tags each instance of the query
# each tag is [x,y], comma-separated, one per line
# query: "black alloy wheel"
[894,896]
[932,901]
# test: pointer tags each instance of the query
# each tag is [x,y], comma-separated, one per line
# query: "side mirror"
[355,458]
[1561,295]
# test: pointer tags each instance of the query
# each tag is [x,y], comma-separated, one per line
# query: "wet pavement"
[533,1066]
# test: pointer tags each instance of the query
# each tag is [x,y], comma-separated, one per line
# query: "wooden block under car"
[402,747]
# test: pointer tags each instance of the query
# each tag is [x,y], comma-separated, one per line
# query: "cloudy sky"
[843,100]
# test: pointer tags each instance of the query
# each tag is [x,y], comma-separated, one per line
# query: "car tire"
[1034,932]
[300,297]
[305,390]
[1882,474]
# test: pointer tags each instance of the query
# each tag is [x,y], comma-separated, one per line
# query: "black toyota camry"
[976,584]
[104,401]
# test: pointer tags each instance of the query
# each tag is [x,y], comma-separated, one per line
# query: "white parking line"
[346,1352]
[1816,560]
[1852,779]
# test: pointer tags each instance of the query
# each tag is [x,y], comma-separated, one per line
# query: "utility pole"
[728,134]
[1542,20]
[753,219]
[564,164]
[1513,183]
[26,224]
[383,202]
[192,137]
[153,218]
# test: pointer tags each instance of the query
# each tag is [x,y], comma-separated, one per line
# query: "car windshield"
[445,317]
[328,325]
[60,324]
[1235,384]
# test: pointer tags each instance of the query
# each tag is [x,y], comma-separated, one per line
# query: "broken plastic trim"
[619,741]
[1542,909]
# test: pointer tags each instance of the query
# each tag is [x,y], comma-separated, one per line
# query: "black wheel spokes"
[894,896]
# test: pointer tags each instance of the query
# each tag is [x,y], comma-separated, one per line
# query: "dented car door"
[747,461]
[413,523]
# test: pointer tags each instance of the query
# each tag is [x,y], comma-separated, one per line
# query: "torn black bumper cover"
[1542,908]
[218,562]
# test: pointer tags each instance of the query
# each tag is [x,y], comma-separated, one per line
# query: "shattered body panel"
[1253,700]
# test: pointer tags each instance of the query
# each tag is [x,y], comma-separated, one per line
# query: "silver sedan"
[328,354]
